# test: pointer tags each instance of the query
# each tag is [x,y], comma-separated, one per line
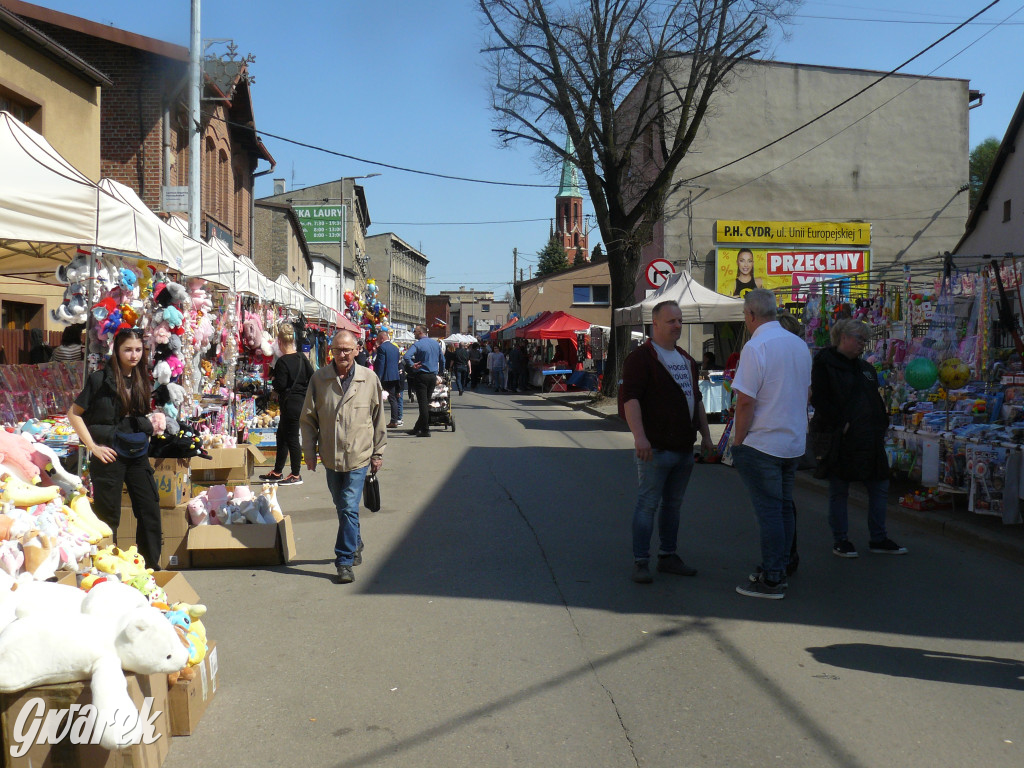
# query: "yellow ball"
[954,373]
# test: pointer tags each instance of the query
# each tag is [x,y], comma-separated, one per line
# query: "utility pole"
[195,89]
[515,262]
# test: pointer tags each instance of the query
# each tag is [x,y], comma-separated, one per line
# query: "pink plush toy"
[162,333]
[159,421]
[16,453]
[199,510]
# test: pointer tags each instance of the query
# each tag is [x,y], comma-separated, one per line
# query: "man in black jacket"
[661,402]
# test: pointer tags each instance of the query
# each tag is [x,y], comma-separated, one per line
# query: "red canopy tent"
[344,324]
[557,325]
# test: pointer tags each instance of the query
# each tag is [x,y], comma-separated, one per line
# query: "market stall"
[558,358]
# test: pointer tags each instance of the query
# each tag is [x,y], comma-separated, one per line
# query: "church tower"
[568,227]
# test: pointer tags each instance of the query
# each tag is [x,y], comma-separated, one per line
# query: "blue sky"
[402,82]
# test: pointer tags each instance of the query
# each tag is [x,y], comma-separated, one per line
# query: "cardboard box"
[173,551]
[177,587]
[173,524]
[173,483]
[226,546]
[188,699]
[68,755]
[227,465]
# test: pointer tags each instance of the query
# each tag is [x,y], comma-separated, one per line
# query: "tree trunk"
[622,268]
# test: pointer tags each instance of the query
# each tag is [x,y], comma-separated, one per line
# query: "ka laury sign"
[768,261]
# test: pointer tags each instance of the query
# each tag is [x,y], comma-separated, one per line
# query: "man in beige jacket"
[343,417]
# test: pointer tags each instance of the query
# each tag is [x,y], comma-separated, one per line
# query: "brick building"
[439,318]
[144,119]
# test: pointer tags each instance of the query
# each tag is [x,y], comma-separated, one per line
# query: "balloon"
[921,373]
[954,373]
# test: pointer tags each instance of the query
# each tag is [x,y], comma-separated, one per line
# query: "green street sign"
[322,223]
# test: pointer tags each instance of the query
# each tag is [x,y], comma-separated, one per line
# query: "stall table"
[712,389]
[555,380]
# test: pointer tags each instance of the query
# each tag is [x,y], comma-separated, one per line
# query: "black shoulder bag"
[371,492]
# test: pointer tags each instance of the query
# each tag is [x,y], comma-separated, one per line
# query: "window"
[1006,210]
[22,110]
[598,295]
[485,307]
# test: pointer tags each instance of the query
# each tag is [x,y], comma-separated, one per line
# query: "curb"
[941,523]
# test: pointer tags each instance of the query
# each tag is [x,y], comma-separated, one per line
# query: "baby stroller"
[441,403]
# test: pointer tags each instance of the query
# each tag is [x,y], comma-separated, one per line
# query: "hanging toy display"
[953,373]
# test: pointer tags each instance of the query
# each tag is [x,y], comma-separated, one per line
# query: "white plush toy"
[42,649]
[25,598]
[112,600]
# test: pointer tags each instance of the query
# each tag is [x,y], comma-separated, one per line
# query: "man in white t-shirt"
[770,434]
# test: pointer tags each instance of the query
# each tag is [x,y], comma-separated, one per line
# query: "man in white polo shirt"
[770,434]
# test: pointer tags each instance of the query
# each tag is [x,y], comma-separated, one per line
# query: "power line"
[378,163]
[901,21]
[847,100]
[455,223]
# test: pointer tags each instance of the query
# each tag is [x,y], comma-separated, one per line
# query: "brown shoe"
[392,425]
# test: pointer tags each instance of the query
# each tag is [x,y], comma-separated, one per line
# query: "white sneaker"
[400,423]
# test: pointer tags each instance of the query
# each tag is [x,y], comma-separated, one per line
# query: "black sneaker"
[674,564]
[272,477]
[345,575]
[758,573]
[763,589]
[357,559]
[291,480]
[642,572]
[886,547]
[844,548]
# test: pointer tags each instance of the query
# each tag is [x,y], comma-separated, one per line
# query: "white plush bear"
[43,648]
[25,598]
[111,600]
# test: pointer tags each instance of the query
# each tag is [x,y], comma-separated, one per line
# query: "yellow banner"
[793,233]
[844,272]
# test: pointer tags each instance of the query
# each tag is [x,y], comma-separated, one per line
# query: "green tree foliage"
[597,254]
[552,259]
[983,157]
[580,258]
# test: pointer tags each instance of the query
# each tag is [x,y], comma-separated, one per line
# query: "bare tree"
[629,81]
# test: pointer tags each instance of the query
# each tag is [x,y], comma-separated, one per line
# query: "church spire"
[570,184]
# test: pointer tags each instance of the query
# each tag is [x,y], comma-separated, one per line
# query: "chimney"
[279,187]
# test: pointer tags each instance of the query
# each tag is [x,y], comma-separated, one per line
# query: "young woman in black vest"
[109,416]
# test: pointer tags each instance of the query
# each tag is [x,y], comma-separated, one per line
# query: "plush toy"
[43,649]
[16,454]
[29,598]
[23,494]
[126,563]
[50,470]
[111,600]
[42,557]
[80,505]
[159,421]
[173,317]
[198,510]
[269,491]
[162,374]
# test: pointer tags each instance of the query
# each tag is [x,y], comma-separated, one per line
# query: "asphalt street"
[493,623]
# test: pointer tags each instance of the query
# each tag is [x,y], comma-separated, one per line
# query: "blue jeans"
[769,481]
[662,483]
[347,491]
[461,378]
[498,379]
[878,500]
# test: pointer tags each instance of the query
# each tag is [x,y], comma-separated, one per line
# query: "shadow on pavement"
[922,664]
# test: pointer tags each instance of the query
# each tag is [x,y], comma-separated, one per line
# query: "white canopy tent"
[698,304]
[202,260]
[171,242]
[459,338]
[402,336]
[293,298]
[48,209]
[312,308]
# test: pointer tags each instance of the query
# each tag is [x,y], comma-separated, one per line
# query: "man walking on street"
[343,418]
[425,357]
[770,434]
[385,365]
[662,405]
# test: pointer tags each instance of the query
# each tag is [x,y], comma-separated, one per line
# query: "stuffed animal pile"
[219,506]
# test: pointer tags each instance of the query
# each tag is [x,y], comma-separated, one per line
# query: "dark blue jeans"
[662,484]
[878,500]
[769,480]
[461,378]
[347,491]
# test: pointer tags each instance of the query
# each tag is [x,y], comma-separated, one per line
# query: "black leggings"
[288,439]
[137,474]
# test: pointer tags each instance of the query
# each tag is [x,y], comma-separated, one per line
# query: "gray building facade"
[400,272]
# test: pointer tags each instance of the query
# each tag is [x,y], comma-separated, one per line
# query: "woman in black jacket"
[291,377]
[109,416]
[846,401]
